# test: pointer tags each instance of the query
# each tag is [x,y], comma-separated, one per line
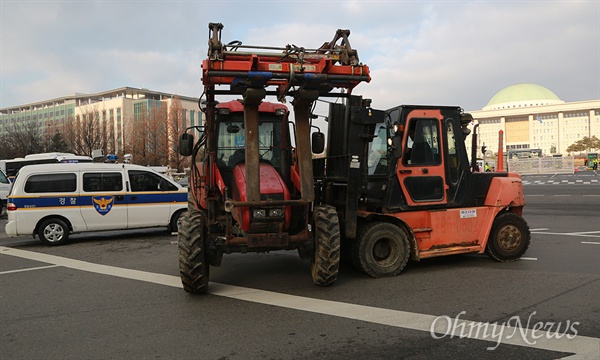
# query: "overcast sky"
[419,52]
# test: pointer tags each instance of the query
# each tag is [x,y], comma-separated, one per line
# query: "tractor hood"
[272,187]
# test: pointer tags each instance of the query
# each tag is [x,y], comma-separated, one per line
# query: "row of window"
[96,182]
[579,114]
[518,146]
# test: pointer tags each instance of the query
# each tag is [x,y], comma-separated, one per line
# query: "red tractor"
[250,189]
[403,187]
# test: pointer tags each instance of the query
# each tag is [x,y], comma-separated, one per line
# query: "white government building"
[533,117]
[113,106]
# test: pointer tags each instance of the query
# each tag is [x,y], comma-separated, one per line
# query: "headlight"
[260,213]
[280,111]
[275,212]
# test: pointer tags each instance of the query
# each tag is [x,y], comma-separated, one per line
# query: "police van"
[53,201]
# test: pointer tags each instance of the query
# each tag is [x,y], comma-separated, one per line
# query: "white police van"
[55,200]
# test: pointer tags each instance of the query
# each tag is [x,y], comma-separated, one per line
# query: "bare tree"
[23,138]
[176,127]
[87,132]
[146,136]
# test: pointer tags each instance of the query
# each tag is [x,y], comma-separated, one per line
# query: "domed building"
[522,95]
[534,117]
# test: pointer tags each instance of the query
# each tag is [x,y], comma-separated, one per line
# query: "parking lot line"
[28,269]
[588,347]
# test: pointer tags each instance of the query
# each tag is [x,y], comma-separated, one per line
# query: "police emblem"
[103,204]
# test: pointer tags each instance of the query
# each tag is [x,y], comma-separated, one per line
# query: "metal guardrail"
[553,165]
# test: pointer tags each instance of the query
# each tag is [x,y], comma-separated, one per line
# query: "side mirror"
[186,144]
[318,142]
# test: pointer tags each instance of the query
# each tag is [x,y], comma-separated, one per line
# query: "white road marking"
[528,258]
[567,234]
[28,269]
[585,346]
[590,242]
[585,232]
[540,229]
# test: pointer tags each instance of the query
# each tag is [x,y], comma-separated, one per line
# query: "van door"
[104,205]
[148,205]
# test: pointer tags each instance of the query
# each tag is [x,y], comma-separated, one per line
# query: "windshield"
[231,140]
[377,161]
[3,178]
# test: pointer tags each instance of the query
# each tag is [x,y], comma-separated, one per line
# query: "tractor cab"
[274,154]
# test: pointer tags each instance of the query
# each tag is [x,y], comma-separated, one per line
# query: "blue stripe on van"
[72,200]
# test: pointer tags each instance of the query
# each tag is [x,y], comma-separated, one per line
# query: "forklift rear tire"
[193,266]
[509,238]
[380,250]
[325,261]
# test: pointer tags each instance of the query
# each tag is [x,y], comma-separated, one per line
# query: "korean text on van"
[53,201]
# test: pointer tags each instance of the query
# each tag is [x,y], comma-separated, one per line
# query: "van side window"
[148,181]
[48,183]
[102,182]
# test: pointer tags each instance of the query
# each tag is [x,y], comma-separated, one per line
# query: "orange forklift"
[403,188]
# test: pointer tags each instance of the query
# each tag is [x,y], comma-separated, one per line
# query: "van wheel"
[53,231]
[173,225]
[380,250]
[326,257]
[509,238]
[193,265]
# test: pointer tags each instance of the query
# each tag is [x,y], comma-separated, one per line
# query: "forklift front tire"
[380,250]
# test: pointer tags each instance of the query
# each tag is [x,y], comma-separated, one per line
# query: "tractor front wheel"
[193,267]
[325,261]
[509,238]
[380,250]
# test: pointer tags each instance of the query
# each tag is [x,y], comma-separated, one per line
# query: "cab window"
[232,141]
[377,161]
[422,144]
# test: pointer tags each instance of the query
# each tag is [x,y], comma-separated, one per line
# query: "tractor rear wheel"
[509,238]
[193,266]
[380,249]
[325,261]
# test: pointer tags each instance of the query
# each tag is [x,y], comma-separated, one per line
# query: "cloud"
[451,53]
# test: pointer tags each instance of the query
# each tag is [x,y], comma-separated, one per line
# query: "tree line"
[587,144]
[151,136]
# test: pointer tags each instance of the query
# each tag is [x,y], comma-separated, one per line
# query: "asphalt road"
[117,295]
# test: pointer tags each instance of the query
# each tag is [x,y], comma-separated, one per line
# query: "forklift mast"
[257,71]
